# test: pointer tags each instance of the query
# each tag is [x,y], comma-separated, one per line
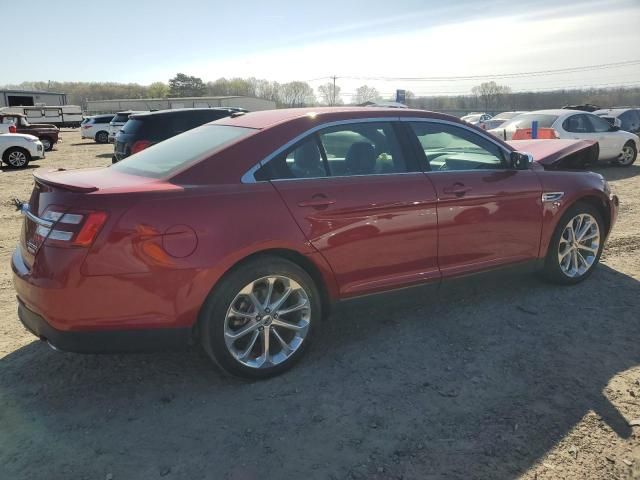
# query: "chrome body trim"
[24,209]
[548,197]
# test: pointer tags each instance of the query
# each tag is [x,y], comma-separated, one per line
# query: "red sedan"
[242,233]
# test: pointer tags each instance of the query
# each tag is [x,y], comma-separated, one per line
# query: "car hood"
[559,154]
[42,126]
[10,136]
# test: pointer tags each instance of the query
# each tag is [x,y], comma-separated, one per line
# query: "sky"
[380,43]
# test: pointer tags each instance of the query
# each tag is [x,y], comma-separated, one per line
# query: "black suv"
[145,129]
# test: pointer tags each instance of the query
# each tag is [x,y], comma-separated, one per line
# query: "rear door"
[362,203]
[611,142]
[488,213]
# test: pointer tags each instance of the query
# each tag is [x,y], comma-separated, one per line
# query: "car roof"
[555,111]
[318,115]
[613,111]
[180,111]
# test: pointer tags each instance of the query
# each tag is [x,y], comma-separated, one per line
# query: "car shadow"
[7,169]
[88,142]
[614,172]
[478,379]
[104,155]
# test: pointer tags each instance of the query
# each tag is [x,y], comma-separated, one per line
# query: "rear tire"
[268,304]
[16,157]
[576,245]
[102,137]
[628,155]
[47,143]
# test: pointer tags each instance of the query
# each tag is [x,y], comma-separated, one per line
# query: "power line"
[537,73]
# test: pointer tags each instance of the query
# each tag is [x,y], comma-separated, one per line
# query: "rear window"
[166,157]
[102,119]
[524,121]
[120,118]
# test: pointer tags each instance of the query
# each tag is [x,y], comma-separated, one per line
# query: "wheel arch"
[327,290]
[600,205]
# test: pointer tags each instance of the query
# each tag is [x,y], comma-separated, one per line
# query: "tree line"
[487,96]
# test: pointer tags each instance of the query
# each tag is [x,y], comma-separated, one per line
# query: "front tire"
[576,245]
[260,319]
[16,157]
[628,155]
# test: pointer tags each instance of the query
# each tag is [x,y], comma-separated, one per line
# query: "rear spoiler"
[48,178]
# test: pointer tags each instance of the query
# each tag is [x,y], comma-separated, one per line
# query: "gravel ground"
[488,378]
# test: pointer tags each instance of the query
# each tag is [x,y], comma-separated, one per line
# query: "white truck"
[62,116]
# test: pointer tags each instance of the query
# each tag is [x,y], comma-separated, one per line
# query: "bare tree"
[366,93]
[490,93]
[296,94]
[330,94]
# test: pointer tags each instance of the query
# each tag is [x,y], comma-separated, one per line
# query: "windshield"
[166,157]
[524,121]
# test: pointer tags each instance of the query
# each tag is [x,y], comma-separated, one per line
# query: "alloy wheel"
[46,143]
[267,321]
[627,156]
[579,245]
[17,159]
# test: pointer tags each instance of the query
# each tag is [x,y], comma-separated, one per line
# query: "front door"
[362,204]
[488,214]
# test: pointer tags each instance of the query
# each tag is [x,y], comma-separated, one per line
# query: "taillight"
[86,126]
[78,229]
[139,146]
[12,129]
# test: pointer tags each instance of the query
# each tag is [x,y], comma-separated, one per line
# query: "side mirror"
[521,160]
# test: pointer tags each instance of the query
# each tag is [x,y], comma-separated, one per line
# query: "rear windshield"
[524,121]
[120,118]
[164,158]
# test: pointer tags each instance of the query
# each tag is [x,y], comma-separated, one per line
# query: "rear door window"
[578,124]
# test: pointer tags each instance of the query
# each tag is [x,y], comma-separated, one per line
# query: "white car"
[96,127]
[615,144]
[476,118]
[18,149]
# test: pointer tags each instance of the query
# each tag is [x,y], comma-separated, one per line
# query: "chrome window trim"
[249,175]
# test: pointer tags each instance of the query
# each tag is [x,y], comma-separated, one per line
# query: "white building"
[119,105]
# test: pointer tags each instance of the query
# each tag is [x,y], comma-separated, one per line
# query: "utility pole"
[333,101]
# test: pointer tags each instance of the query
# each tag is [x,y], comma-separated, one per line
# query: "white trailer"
[62,116]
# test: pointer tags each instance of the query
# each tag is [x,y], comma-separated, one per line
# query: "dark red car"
[242,233]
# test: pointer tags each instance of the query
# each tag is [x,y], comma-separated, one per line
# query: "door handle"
[457,189]
[317,201]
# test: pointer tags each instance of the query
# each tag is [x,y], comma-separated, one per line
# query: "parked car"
[48,134]
[240,234]
[145,129]
[116,124]
[615,145]
[476,118]
[500,119]
[96,127]
[18,149]
[628,119]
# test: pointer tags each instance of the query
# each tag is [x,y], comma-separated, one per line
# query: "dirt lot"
[489,378]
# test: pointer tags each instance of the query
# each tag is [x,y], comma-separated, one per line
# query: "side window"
[362,149]
[354,149]
[302,161]
[578,124]
[630,120]
[448,147]
[9,120]
[599,124]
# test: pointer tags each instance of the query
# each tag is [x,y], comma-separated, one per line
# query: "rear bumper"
[111,341]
